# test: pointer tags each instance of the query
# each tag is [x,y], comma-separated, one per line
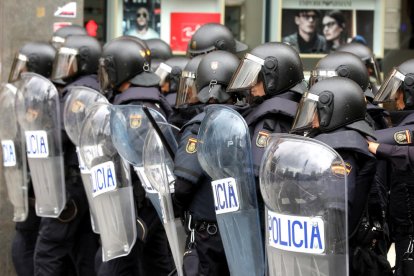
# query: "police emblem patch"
[77,106]
[403,137]
[214,65]
[193,44]
[261,140]
[135,120]
[339,170]
[191,145]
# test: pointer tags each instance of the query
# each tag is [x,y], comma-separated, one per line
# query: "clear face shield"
[66,64]
[373,71]
[187,92]
[317,75]
[19,66]
[388,90]
[163,71]
[247,73]
[306,116]
[103,75]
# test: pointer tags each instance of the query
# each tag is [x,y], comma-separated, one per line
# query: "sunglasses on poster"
[142,14]
[309,16]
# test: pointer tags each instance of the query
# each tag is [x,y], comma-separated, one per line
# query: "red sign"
[184,25]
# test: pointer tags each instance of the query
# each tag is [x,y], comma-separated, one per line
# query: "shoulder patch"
[338,169]
[191,145]
[262,138]
[135,120]
[403,137]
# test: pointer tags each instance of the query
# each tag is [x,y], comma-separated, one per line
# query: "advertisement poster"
[183,26]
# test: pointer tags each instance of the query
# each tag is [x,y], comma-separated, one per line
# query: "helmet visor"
[65,64]
[306,113]
[19,66]
[103,76]
[318,75]
[57,42]
[246,74]
[163,71]
[389,88]
[373,71]
[187,92]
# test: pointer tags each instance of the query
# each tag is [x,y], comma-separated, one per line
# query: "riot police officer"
[124,70]
[276,82]
[193,193]
[333,111]
[76,64]
[34,57]
[160,51]
[169,72]
[211,37]
[394,146]
[348,65]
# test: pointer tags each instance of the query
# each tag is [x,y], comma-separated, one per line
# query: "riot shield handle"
[159,132]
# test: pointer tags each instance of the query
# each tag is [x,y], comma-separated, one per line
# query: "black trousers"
[58,243]
[150,257]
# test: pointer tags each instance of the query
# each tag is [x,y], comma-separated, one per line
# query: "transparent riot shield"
[130,126]
[14,155]
[303,184]
[158,166]
[38,113]
[79,100]
[111,184]
[224,152]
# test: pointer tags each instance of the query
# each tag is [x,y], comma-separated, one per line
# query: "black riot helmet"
[61,34]
[78,56]
[214,74]
[169,72]
[36,57]
[367,57]
[211,37]
[187,91]
[126,59]
[330,104]
[342,64]
[160,51]
[400,79]
[277,64]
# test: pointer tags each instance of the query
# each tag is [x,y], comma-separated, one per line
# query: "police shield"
[38,113]
[79,100]
[111,184]
[303,184]
[14,155]
[158,167]
[129,127]
[224,152]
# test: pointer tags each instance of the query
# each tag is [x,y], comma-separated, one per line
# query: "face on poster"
[142,19]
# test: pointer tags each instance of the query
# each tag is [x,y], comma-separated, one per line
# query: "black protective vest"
[351,141]
[149,96]
[274,115]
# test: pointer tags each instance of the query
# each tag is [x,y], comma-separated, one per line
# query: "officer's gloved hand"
[183,194]
[69,212]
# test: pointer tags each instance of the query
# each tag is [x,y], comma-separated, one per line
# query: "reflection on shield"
[31,114]
[77,106]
